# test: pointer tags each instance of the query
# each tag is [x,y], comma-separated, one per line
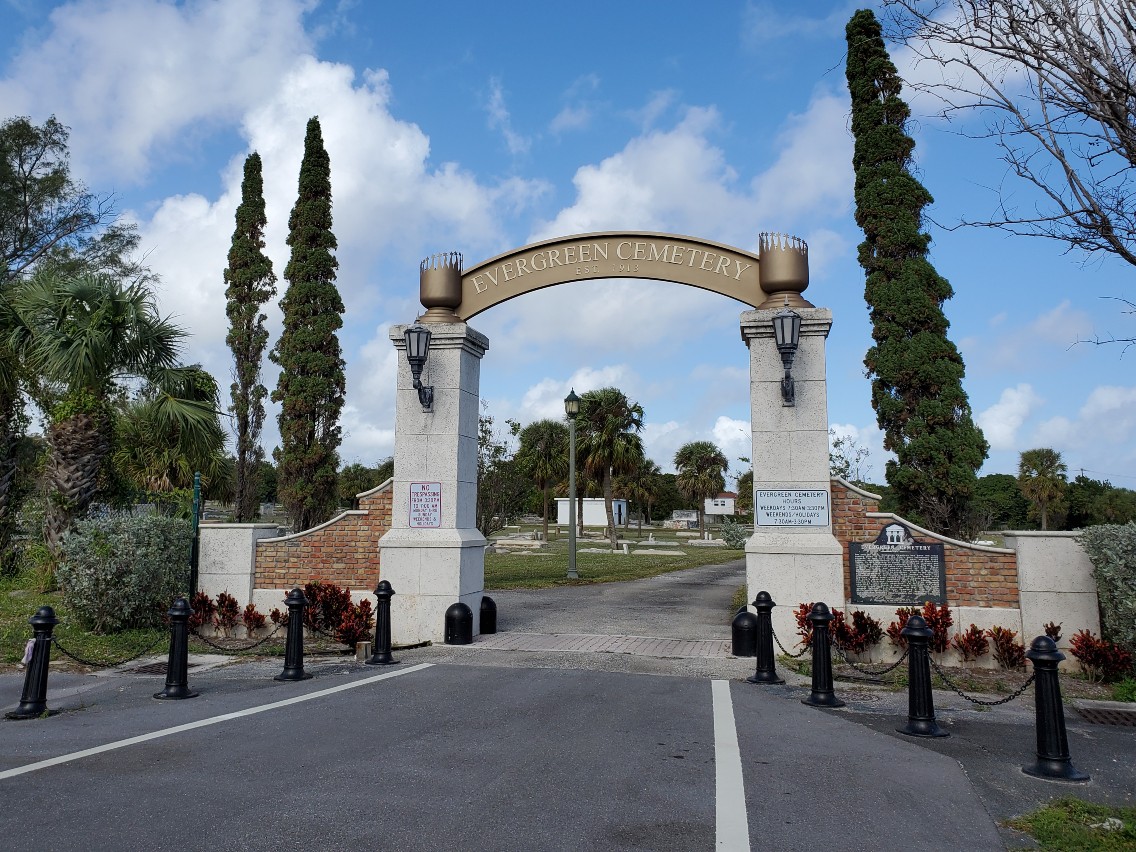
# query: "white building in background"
[724,504]
[595,513]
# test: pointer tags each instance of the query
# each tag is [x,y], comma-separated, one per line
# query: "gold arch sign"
[776,276]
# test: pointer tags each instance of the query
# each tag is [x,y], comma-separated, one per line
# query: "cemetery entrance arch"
[433,554]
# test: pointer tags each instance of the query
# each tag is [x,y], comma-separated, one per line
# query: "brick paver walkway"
[645,646]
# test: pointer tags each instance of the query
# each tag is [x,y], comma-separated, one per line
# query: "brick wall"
[344,551]
[976,576]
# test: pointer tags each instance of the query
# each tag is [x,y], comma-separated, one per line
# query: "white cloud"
[130,76]
[1026,345]
[1001,421]
[499,119]
[1104,428]
[733,437]
[571,118]
[678,180]
[765,21]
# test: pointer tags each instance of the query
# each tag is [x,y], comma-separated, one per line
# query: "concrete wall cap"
[226,526]
[378,489]
[310,530]
[1041,533]
[982,548]
[856,489]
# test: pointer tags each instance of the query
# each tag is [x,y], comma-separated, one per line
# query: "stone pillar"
[431,569]
[795,563]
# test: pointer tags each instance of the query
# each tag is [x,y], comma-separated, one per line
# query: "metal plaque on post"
[897,570]
[425,505]
[791,508]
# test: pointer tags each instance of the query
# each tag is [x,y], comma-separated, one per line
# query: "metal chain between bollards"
[106,664]
[235,651]
[801,653]
[869,672]
[1017,693]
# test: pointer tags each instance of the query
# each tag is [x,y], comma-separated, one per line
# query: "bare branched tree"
[1054,82]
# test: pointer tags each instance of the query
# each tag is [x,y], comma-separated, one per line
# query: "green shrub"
[734,534]
[1112,550]
[121,572]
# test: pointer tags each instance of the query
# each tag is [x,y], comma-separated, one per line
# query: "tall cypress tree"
[249,284]
[311,385]
[916,370]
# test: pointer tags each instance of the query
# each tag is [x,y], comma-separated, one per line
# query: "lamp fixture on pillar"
[787,332]
[417,349]
[572,408]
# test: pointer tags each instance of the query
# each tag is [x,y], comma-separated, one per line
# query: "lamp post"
[417,350]
[572,408]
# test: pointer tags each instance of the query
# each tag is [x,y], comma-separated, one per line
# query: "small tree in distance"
[1041,476]
[701,474]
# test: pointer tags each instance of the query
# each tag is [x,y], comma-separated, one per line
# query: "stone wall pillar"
[794,563]
[431,569]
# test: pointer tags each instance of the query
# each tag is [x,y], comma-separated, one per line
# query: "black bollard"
[294,645]
[382,655]
[822,694]
[33,700]
[488,615]
[1053,760]
[177,664]
[766,667]
[920,703]
[743,634]
[459,624]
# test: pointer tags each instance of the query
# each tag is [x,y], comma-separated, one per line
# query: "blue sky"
[482,127]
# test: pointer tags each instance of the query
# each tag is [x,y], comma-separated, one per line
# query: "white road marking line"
[731,824]
[212,720]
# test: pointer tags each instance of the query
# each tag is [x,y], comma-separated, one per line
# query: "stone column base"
[794,568]
[430,570]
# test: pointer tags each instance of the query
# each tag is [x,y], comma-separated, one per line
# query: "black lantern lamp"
[787,332]
[417,349]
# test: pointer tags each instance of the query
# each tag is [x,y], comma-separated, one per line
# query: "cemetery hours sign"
[791,508]
[896,570]
[425,505]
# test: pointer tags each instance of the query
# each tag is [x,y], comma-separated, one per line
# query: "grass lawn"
[19,601]
[547,567]
[1067,824]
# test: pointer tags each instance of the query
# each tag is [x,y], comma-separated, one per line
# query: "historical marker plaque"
[896,570]
[791,508]
[425,505]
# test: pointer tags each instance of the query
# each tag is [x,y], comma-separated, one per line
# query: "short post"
[294,644]
[920,703]
[33,700]
[382,655]
[743,634]
[1053,760]
[488,623]
[177,664]
[459,624]
[822,694]
[766,671]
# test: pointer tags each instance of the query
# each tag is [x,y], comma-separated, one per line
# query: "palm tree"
[155,454]
[607,428]
[82,337]
[640,484]
[543,456]
[701,474]
[1041,476]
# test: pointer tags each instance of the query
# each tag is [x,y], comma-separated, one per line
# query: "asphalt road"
[689,604]
[476,749]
